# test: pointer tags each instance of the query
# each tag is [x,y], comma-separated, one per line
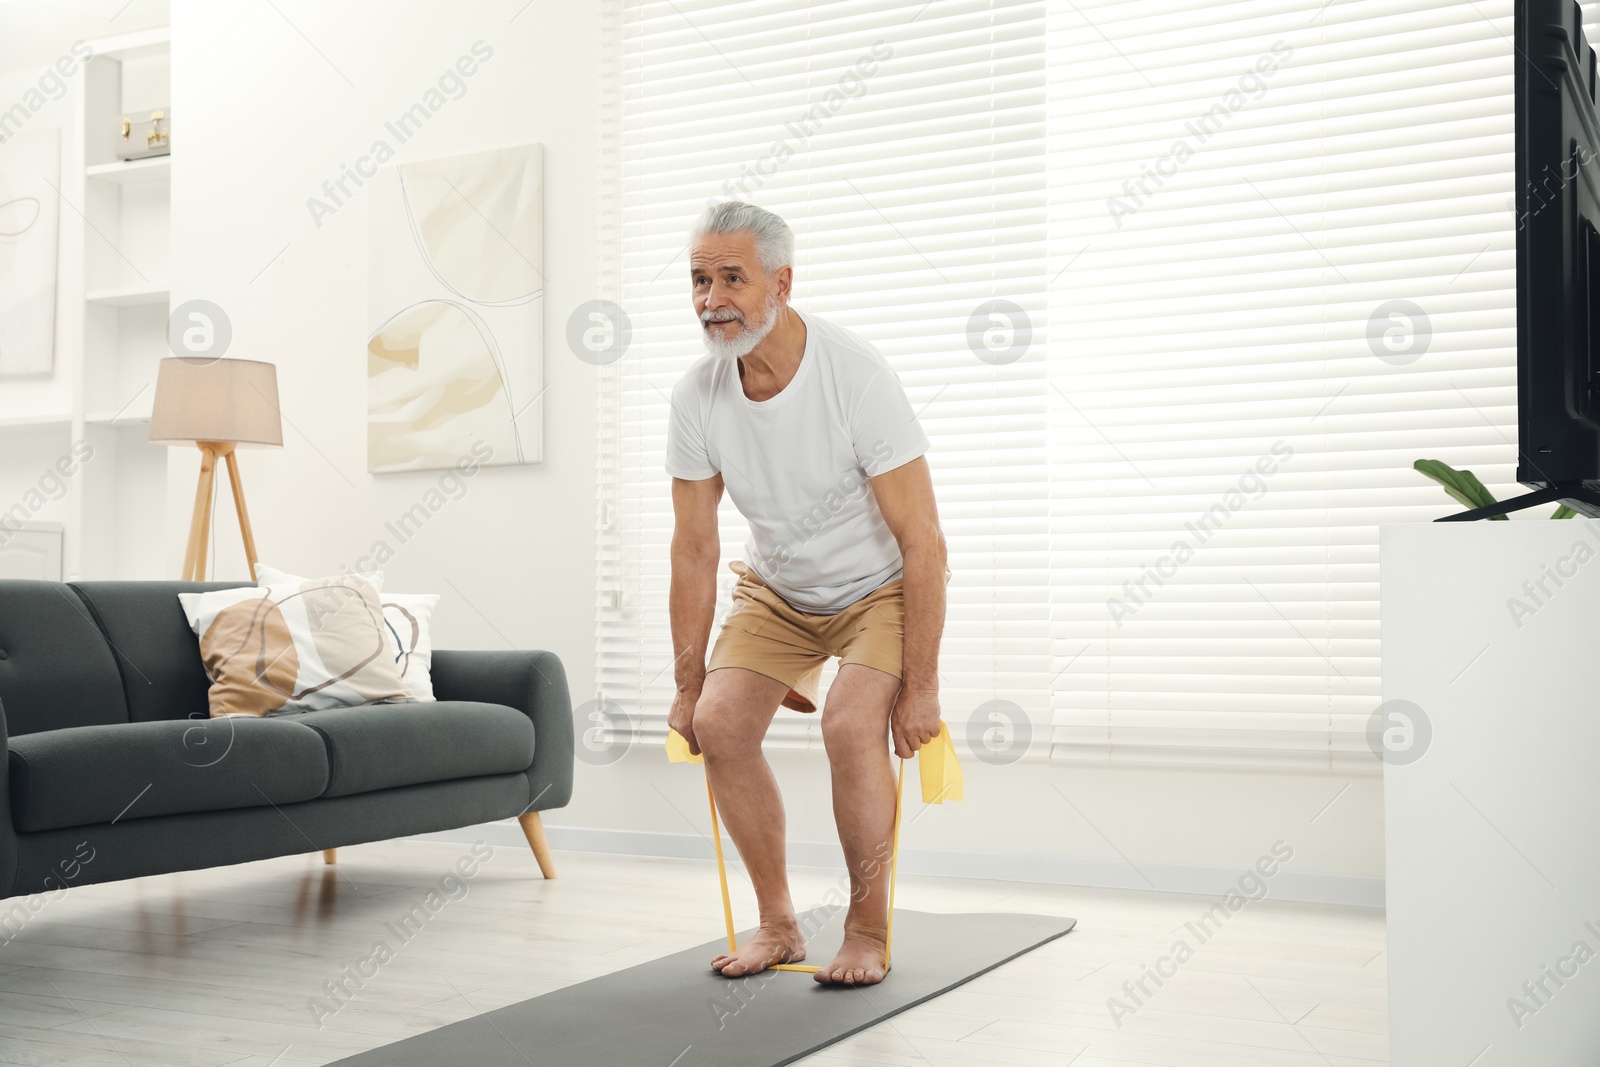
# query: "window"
[1180,290]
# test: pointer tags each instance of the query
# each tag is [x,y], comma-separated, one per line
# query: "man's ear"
[785,281]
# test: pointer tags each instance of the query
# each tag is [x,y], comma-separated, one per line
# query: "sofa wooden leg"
[330,855]
[533,830]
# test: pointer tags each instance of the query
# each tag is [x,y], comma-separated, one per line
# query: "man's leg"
[730,719]
[855,731]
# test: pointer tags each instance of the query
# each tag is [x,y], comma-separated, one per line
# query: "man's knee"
[849,727]
[721,725]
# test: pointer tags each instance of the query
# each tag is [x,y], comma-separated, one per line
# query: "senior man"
[812,435]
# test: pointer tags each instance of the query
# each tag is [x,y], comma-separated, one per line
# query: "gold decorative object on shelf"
[143,137]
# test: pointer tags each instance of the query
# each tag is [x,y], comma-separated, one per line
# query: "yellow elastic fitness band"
[727,903]
[942,780]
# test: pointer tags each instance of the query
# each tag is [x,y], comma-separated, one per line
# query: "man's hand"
[914,721]
[681,718]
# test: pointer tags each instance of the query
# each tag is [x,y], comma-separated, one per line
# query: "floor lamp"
[218,405]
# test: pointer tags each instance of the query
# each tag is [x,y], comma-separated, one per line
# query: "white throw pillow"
[408,618]
[294,646]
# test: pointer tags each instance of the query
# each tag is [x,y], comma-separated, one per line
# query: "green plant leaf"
[1462,486]
[1562,512]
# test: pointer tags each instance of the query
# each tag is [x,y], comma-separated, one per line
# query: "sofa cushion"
[407,618]
[101,774]
[55,668]
[310,645]
[381,746]
[156,650]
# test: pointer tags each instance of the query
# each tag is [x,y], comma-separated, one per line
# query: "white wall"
[33,33]
[272,111]
[268,116]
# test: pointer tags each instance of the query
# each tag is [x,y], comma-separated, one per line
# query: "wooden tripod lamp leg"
[244,514]
[330,856]
[194,557]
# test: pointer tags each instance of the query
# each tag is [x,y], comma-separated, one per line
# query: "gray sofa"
[113,768]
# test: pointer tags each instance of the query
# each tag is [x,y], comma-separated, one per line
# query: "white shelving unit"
[128,296]
[117,234]
[44,421]
[132,172]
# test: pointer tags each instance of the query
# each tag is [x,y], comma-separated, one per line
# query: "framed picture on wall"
[456,296]
[30,173]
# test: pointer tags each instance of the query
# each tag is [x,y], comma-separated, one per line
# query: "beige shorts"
[765,634]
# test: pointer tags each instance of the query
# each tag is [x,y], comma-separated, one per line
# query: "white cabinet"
[1492,792]
[33,551]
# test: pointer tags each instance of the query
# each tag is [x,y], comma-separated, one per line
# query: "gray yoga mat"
[677,1011]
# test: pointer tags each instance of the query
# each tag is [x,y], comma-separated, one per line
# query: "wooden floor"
[221,967]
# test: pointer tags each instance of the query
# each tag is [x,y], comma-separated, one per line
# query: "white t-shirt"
[796,465]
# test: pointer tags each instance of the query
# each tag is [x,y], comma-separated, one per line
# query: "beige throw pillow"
[409,623]
[294,646]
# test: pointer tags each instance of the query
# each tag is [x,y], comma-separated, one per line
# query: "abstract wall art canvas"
[30,174]
[454,362]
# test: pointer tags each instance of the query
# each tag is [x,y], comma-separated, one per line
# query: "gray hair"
[774,239]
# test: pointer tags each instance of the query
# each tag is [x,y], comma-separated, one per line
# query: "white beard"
[747,338]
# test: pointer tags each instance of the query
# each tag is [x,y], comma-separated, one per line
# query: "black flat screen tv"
[1558,262]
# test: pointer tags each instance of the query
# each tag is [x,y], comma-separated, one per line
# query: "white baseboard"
[1288,884]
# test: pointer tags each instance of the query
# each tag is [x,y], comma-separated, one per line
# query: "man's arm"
[905,497]
[696,548]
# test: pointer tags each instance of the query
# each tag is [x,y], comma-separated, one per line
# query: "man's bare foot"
[776,943]
[859,962]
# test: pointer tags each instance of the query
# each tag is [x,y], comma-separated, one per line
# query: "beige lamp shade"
[207,399]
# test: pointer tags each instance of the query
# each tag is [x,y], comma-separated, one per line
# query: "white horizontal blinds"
[904,142]
[1233,281]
